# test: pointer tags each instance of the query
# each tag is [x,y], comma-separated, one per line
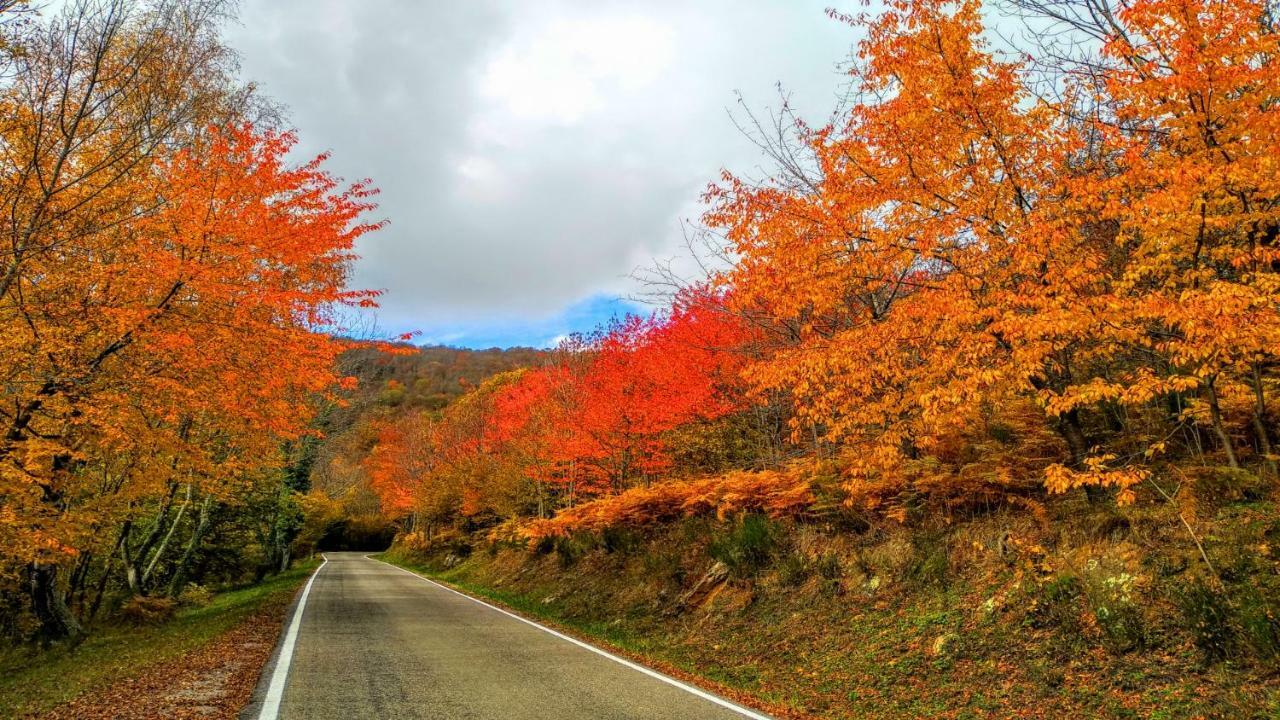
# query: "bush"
[1057,605]
[796,567]
[618,539]
[831,571]
[930,559]
[1207,616]
[140,610]
[1225,623]
[1109,591]
[544,545]
[1238,612]
[1123,628]
[1224,484]
[194,595]
[793,570]
[571,549]
[459,546]
[1259,619]
[747,547]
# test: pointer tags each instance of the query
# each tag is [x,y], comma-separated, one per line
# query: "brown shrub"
[140,610]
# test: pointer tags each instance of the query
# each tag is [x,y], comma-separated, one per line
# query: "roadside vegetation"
[989,617]
[35,681]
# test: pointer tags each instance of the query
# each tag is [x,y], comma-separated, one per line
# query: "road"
[375,641]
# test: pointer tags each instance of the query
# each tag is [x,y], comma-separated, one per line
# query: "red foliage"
[599,415]
[593,422]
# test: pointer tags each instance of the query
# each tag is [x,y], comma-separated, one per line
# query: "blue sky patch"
[582,316]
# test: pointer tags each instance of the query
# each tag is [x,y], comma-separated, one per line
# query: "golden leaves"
[962,242]
[180,343]
[1059,478]
[777,493]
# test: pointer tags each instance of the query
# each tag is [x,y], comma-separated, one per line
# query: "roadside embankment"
[1081,612]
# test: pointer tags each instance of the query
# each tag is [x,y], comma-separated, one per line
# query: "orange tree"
[962,246]
[184,339]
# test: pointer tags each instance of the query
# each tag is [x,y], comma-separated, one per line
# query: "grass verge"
[33,682]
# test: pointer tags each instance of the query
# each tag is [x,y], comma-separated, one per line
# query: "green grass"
[34,681]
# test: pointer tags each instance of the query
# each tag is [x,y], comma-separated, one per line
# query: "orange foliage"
[963,239]
[183,342]
[775,492]
[623,388]
[594,421]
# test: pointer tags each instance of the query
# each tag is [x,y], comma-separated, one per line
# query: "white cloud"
[529,154]
[562,71]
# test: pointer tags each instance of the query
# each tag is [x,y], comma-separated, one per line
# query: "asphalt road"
[375,641]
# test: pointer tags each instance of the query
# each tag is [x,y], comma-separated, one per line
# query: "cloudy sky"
[531,155]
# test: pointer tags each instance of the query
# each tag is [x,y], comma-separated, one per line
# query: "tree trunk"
[106,571]
[179,579]
[1260,421]
[1215,416]
[56,621]
[133,560]
[277,550]
[1072,432]
[164,543]
[78,577]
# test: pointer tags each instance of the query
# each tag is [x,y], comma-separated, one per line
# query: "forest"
[971,406]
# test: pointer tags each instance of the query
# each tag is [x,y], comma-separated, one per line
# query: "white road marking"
[275,691]
[621,661]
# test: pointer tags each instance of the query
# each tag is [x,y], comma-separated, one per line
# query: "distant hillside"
[389,384]
[429,378]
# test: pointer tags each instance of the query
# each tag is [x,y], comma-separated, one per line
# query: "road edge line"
[280,673]
[699,692]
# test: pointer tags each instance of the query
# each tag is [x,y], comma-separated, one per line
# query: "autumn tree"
[599,416]
[167,271]
[961,241]
[1000,272]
